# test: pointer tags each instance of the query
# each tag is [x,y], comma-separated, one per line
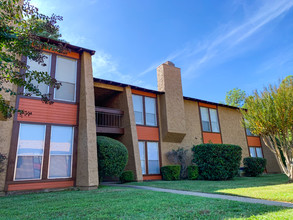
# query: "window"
[209,120]
[60,152]
[145,110]
[30,150]
[149,151]
[255,152]
[66,70]
[35,66]
[31,147]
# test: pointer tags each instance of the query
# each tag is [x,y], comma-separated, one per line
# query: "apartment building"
[55,147]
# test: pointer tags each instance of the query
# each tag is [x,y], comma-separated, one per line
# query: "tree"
[21,26]
[235,97]
[270,114]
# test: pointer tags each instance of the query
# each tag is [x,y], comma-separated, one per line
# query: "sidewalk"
[207,195]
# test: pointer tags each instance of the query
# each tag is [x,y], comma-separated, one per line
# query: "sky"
[218,45]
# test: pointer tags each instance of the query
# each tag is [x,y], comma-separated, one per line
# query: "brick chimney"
[171,103]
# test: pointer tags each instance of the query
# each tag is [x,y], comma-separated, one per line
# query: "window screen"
[66,70]
[141,145]
[153,158]
[214,120]
[205,119]
[30,150]
[150,111]
[138,109]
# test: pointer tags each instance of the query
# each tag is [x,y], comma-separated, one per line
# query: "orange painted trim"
[253,141]
[68,54]
[152,177]
[147,133]
[206,105]
[57,113]
[215,138]
[36,186]
[137,92]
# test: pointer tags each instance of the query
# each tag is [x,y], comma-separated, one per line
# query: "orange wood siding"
[68,54]
[36,186]
[59,113]
[206,105]
[147,133]
[215,138]
[254,141]
[138,92]
[152,177]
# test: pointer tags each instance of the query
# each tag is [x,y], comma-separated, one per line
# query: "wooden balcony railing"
[108,120]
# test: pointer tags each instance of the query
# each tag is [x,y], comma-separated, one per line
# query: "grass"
[126,203]
[271,187]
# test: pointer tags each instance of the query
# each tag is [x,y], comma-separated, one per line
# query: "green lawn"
[126,203]
[270,187]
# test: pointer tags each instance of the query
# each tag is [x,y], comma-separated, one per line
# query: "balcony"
[108,120]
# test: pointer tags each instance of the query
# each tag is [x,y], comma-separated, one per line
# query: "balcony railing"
[108,120]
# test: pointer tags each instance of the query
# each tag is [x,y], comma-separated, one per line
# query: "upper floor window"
[35,66]
[145,110]
[66,69]
[209,119]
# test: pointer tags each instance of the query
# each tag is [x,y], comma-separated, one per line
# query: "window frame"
[146,157]
[144,111]
[210,121]
[255,151]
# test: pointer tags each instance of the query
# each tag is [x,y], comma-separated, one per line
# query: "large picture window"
[35,66]
[145,110]
[61,152]
[66,70]
[30,150]
[149,157]
[209,120]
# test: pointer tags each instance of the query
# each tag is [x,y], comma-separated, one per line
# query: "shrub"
[127,176]
[180,157]
[254,166]
[112,157]
[192,172]
[2,159]
[171,172]
[217,161]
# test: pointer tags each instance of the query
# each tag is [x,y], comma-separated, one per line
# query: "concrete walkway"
[207,195]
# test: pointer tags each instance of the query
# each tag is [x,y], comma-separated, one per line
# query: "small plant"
[192,172]
[179,157]
[127,176]
[2,159]
[254,166]
[171,172]
[112,157]
[217,161]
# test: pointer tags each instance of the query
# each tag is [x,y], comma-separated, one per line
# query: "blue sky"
[219,45]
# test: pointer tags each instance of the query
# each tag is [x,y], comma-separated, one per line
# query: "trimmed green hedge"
[127,176]
[192,172]
[171,172]
[112,157]
[217,161]
[254,166]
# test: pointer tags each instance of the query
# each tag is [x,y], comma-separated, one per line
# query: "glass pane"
[44,89]
[214,120]
[138,109]
[66,92]
[259,152]
[142,156]
[153,158]
[252,151]
[150,109]
[248,133]
[66,69]
[60,166]
[60,152]
[28,167]
[31,140]
[205,119]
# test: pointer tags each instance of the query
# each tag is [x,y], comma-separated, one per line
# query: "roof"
[159,92]
[67,45]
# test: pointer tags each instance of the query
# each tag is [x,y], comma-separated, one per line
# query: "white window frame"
[49,156]
[74,100]
[16,160]
[210,122]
